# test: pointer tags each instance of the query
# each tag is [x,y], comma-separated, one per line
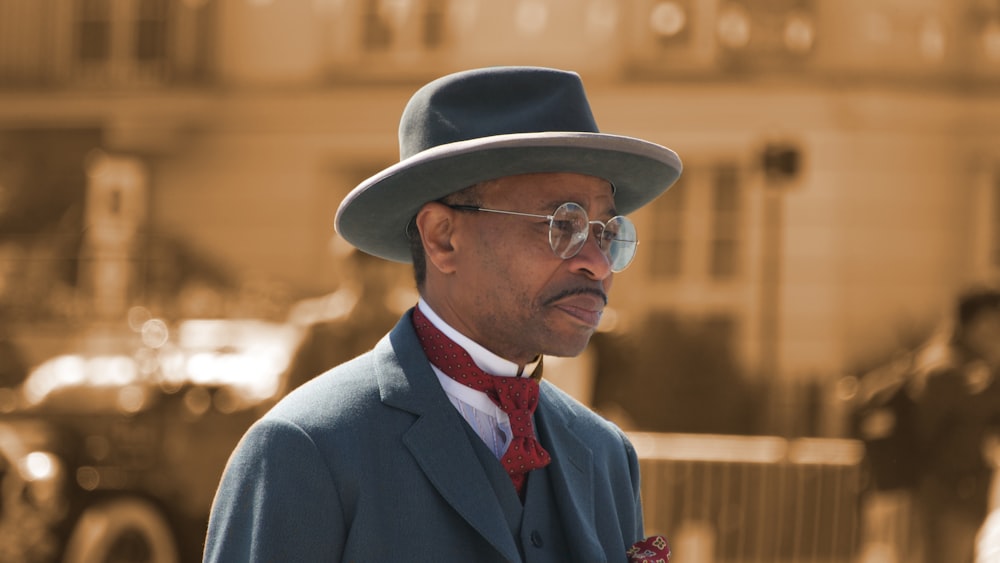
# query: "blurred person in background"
[988,536]
[347,322]
[956,418]
[445,443]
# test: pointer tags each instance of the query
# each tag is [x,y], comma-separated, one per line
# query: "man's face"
[509,291]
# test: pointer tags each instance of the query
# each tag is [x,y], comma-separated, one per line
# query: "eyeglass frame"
[551,218]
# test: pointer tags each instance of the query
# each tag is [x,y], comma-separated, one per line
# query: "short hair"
[417,255]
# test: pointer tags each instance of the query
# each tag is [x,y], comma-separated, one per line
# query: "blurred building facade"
[842,163]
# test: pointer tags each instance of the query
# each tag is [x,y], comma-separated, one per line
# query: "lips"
[585,306]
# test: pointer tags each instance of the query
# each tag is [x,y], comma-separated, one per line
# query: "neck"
[454,315]
[485,358]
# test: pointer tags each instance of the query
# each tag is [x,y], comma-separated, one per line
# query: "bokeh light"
[733,27]
[667,19]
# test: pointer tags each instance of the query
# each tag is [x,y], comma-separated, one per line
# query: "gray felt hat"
[483,124]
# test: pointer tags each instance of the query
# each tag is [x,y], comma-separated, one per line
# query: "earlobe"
[436,225]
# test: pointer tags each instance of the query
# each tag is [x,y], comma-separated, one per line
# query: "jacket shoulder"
[340,390]
[584,419]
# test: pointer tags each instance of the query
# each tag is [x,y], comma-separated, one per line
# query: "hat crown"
[494,101]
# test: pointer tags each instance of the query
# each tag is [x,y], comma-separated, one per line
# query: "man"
[509,203]
[957,418]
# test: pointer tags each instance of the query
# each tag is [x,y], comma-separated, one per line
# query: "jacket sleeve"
[276,502]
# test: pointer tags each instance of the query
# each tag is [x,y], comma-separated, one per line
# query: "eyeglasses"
[569,228]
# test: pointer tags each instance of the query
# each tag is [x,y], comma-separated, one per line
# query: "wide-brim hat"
[479,125]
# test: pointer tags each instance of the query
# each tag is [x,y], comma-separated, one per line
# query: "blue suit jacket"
[371,462]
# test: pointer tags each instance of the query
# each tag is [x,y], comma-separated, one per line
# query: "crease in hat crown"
[483,124]
[491,102]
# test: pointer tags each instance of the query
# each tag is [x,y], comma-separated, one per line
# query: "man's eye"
[564,227]
[608,234]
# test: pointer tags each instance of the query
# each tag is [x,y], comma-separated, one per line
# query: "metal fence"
[752,498]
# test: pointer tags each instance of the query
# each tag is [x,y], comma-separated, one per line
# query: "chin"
[568,347]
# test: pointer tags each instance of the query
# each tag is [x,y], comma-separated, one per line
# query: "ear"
[436,225]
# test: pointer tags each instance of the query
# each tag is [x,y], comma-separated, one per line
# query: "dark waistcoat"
[535,525]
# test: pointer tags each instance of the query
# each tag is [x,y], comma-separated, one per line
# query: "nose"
[592,260]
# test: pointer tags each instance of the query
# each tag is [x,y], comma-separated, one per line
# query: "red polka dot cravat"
[516,396]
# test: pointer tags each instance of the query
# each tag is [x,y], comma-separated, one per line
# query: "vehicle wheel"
[125,530]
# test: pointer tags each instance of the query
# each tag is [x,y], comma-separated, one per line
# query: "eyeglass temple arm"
[498,211]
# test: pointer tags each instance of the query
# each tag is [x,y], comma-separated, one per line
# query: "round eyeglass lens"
[619,242]
[568,230]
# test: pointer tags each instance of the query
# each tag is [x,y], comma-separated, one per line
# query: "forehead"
[550,188]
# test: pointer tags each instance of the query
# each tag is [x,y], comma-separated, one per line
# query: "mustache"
[578,291]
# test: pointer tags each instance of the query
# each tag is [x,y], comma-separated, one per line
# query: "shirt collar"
[486,360]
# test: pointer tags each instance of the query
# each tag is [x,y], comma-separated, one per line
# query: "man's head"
[495,276]
[488,158]
[978,313]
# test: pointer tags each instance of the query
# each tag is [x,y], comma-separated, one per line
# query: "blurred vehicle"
[116,457]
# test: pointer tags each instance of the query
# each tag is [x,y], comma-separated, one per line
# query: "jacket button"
[536,539]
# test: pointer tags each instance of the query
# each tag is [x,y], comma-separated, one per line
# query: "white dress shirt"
[482,414]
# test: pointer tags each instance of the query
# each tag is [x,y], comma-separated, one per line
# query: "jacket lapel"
[437,440]
[572,476]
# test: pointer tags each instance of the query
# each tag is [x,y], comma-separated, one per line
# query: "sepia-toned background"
[170,169]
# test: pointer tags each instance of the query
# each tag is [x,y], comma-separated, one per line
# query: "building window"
[94,31]
[667,233]
[434,23]
[377,29]
[726,223]
[151,30]
[697,226]
[124,42]
[403,25]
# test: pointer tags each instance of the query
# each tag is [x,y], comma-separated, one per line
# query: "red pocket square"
[653,549]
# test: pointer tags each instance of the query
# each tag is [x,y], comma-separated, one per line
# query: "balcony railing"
[136,43]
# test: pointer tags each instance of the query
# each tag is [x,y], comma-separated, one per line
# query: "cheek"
[510,267]
[504,253]
[487,267]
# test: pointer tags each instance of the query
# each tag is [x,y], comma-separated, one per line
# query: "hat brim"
[374,216]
